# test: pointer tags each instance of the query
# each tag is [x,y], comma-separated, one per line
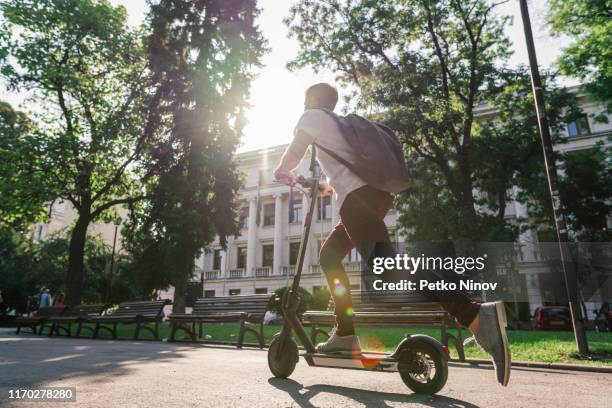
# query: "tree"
[422,67]
[589,58]
[201,55]
[86,70]
[435,72]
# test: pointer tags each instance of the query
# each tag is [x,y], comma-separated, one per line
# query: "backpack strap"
[335,156]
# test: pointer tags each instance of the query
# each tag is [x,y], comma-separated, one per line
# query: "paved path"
[153,374]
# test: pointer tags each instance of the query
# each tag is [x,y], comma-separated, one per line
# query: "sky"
[276,100]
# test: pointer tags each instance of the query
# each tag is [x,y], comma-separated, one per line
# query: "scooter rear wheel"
[429,370]
[282,356]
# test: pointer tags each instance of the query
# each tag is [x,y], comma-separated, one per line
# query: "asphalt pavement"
[158,374]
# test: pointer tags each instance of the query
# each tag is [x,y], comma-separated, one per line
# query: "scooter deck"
[364,361]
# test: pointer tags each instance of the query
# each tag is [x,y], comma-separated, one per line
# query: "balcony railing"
[315,269]
[236,273]
[352,266]
[212,275]
[263,272]
[288,270]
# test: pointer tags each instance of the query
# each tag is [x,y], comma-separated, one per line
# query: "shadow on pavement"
[57,360]
[373,399]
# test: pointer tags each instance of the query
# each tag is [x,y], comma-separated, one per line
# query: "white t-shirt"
[321,127]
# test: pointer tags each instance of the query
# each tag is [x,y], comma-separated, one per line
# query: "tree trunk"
[178,303]
[76,255]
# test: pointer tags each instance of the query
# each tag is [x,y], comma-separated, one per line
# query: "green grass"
[542,346]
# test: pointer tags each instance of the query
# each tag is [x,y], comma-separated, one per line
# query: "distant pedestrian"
[45,299]
[59,299]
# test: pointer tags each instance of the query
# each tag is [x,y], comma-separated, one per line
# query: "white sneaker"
[340,344]
[491,337]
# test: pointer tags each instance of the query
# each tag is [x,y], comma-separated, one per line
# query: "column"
[335,211]
[223,262]
[251,237]
[279,222]
[307,254]
[528,238]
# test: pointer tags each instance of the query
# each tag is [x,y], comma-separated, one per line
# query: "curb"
[548,366]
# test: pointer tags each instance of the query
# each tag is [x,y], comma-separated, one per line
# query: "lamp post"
[117,223]
[567,265]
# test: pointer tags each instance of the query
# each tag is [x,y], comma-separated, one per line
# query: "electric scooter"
[421,360]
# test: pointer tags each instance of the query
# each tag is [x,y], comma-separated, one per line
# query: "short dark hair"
[325,95]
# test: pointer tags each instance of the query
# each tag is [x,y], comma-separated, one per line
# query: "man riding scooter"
[363,207]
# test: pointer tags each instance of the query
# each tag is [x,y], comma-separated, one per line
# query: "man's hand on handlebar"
[289,178]
[325,189]
[285,177]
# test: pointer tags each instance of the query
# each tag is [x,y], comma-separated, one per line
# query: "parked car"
[552,318]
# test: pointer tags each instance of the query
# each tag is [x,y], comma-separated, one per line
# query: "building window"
[295,213]
[355,287]
[324,211]
[242,254]
[268,255]
[318,172]
[579,127]
[294,250]
[353,256]
[234,292]
[209,293]
[59,206]
[268,210]
[261,291]
[243,218]
[266,176]
[217,259]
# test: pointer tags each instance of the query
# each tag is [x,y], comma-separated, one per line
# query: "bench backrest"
[150,309]
[86,310]
[390,303]
[255,305]
[50,311]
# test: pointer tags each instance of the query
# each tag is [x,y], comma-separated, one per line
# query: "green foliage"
[19,207]
[26,266]
[320,299]
[306,300]
[589,57]
[587,192]
[201,56]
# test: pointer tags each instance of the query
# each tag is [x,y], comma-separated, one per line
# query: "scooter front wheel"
[282,356]
[428,369]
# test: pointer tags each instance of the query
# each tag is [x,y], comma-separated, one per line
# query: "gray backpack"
[378,157]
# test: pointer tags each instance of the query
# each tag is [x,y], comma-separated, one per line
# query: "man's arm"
[293,155]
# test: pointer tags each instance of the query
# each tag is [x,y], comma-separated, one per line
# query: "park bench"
[39,319]
[141,313]
[392,312]
[73,315]
[227,309]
